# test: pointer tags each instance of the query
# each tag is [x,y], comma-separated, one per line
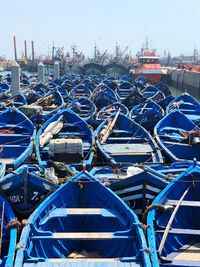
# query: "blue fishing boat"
[4,88]
[46,106]
[17,134]
[108,174]
[50,103]
[139,188]
[31,96]
[80,91]
[128,77]
[40,89]
[52,85]
[67,85]
[133,99]
[24,82]
[124,89]
[84,108]
[147,114]
[113,84]
[142,82]
[8,228]
[152,93]
[16,100]
[105,112]
[188,105]
[164,102]
[178,137]
[173,220]
[27,186]
[7,78]
[149,91]
[64,93]
[89,84]
[103,96]
[83,223]
[123,141]
[169,172]
[163,88]
[66,138]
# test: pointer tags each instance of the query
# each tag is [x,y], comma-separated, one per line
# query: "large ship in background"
[147,65]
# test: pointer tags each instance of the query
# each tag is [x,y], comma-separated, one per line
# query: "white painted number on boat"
[15,199]
[34,196]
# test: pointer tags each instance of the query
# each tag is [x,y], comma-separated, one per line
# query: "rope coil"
[151,207]
[14,224]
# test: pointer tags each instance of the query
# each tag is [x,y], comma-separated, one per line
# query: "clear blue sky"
[168,24]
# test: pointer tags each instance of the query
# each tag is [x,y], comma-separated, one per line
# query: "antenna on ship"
[195,55]
[147,44]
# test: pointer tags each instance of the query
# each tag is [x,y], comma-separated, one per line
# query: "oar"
[1,231]
[109,129]
[166,232]
[50,130]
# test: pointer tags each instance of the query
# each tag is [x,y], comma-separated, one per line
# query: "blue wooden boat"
[105,112]
[80,91]
[41,91]
[58,81]
[122,141]
[147,114]
[4,88]
[46,106]
[17,134]
[31,96]
[165,101]
[24,82]
[67,85]
[152,93]
[27,186]
[16,100]
[133,99]
[128,77]
[84,108]
[50,103]
[40,88]
[188,105]
[141,82]
[139,188]
[103,96]
[7,78]
[149,91]
[111,84]
[169,172]
[9,233]
[178,137]
[52,85]
[163,88]
[108,174]
[65,137]
[89,84]
[124,89]
[83,223]
[173,220]
[64,93]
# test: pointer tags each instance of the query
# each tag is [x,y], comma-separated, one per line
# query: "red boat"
[148,65]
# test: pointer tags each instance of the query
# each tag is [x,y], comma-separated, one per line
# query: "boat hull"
[153,77]
[82,216]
